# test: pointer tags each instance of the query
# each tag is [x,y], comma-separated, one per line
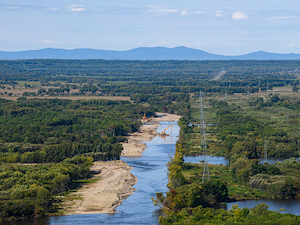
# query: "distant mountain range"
[143,53]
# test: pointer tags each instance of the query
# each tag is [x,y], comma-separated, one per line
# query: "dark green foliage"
[150,77]
[242,135]
[201,216]
[175,103]
[217,189]
[52,130]
[265,168]
[26,189]
[188,195]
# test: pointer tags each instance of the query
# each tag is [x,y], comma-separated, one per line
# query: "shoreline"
[113,183]
[113,179]
[136,146]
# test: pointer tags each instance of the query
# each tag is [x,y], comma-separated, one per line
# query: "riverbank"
[113,180]
[135,146]
[113,183]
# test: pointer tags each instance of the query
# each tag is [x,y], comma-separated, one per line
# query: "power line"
[248,91]
[205,175]
[266,153]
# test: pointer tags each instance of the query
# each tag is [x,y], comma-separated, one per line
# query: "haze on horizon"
[222,27]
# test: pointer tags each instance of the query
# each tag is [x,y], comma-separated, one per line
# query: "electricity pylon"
[205,175]
[266,152]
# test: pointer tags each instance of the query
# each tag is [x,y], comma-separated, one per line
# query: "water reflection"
[216,160]
[273,160]
[290,206]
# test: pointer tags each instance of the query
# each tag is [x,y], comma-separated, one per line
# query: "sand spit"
[135,146]
[114,183]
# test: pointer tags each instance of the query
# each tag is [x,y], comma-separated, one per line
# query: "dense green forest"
[257,215]
[26,190]
[124,70]
[116,77]
[52,130]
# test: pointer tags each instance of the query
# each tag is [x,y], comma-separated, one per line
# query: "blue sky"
[228,27]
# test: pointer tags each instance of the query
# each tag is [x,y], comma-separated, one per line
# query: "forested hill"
[142,53]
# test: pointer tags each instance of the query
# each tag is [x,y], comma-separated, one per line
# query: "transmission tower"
[248,91]
[266,152]
[285,84]
[205,175]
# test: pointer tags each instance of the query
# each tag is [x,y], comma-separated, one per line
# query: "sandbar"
[113,183]
[135,145]
[113,180]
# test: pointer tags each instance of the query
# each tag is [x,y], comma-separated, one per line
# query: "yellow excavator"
[145,118]
[164,132]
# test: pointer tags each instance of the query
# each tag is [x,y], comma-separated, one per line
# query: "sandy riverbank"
[135,146]
[113,179]
[113,183]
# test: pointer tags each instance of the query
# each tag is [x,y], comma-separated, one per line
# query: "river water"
[151,172]
[138,208]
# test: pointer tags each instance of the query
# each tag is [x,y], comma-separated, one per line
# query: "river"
[138,208]
[151,172]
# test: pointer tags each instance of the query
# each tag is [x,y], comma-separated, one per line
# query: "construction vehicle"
[164,132]
[145,118]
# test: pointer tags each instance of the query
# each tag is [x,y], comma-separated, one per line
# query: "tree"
[295,89]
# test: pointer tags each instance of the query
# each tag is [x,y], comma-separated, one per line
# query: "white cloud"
[163,43]
[183,13]
[161,10]
[54,9]
[76,8]
[282,17]
[48,42]
[12,7]
[239,16]
[294,44]
[217,13]
[172,10]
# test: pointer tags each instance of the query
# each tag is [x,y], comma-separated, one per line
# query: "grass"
[36,83]
[76,185]
[69,196]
